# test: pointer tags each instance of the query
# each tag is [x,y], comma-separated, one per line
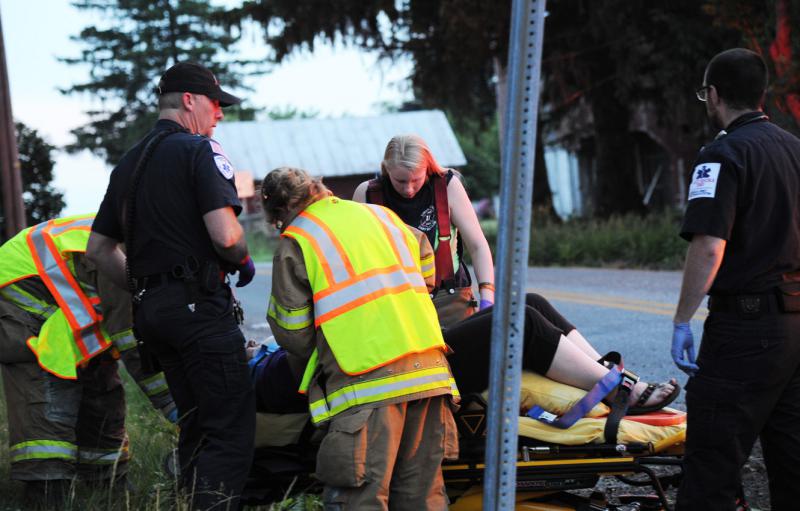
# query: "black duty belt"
[207,276]
[156,280]
[746,305]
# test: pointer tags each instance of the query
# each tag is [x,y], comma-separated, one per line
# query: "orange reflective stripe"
[293,231]
[366,289]
[348,266]
[400,255]
[396,232]
[53,270]
[67,275]
[343,285]
[368,298]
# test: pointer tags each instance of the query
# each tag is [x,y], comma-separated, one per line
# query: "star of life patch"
[704,181]
[224,166]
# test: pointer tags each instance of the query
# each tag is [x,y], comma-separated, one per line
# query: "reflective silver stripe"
[23,300]
[102,457]
[428,268]
[330,253]
[379,390]
[58,229]
[154,385]
[364,287]
[296,318]
[31,450]
[59,280]
[90,340]
[398,237]
[124,341]
[357,396]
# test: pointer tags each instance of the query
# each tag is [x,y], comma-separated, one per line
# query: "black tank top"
[420,212]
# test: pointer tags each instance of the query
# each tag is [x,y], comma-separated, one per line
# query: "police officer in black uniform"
[173,202]
[743,222]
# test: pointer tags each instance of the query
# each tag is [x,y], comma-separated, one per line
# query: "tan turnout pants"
[388,458]
[59,429]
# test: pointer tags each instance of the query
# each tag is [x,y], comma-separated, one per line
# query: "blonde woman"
[433,199]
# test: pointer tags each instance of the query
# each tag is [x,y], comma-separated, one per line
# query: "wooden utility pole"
[11,180]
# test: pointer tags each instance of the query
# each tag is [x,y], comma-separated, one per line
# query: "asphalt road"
[629,311]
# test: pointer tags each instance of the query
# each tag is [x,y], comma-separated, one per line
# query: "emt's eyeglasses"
[702,92]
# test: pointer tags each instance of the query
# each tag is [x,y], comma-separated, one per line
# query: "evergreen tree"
[42,201]
[138,41]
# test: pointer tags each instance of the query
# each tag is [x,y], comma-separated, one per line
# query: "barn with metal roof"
[345,151]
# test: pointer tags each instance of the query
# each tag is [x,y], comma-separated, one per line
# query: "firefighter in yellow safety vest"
[62,329]
[350,304]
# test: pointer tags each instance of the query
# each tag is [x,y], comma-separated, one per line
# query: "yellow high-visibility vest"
[370,298]
[71,334]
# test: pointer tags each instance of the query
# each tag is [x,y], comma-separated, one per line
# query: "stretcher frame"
[550,470]
[553,469]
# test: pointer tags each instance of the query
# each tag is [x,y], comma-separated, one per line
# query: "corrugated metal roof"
[333,147]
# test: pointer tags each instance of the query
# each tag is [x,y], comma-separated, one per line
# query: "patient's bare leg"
[572,366]
[581,343]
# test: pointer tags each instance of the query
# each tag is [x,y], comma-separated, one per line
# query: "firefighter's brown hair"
[286,191]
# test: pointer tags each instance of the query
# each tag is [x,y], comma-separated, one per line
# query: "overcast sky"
[333,81]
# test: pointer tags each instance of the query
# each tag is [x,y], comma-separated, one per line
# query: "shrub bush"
[624,241]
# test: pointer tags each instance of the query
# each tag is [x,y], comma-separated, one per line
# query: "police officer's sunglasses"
[702,93]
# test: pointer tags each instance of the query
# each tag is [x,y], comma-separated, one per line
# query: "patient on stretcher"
[553,347]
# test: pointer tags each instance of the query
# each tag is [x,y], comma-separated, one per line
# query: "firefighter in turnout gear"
[62,329]
[351,306]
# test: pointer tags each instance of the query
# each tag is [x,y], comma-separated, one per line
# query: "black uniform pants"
[470,341]
[201,350]
[748,387]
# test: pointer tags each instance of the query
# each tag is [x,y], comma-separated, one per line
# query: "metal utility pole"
[13,207]
[519,155]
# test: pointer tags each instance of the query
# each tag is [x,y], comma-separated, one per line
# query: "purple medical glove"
[683,343]
[247,270]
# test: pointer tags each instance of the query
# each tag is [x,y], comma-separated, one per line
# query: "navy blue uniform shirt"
[745,189]
[187,176]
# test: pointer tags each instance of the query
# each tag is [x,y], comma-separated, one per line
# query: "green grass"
[151,439]
[627,241]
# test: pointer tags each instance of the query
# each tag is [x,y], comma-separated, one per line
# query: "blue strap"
[580,409]
[263,351]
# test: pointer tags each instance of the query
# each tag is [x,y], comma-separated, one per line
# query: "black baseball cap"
[192,77]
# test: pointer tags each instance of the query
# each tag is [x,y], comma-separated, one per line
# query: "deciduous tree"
[42,201]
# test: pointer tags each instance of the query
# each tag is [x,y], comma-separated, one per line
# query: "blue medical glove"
[247,270]
[172,416]
[683,343]
[485,304]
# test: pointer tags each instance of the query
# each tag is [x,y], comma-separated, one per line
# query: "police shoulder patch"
[704,181]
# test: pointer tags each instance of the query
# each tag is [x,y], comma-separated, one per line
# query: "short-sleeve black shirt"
[186,177]
[745,189]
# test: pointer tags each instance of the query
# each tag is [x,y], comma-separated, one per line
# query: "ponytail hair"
[286,191]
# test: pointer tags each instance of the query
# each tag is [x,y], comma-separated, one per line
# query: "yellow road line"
[616,302]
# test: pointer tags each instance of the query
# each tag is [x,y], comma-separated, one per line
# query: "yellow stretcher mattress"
[590,430]
[274,430]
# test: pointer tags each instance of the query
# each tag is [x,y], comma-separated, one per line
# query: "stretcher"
[548,473]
